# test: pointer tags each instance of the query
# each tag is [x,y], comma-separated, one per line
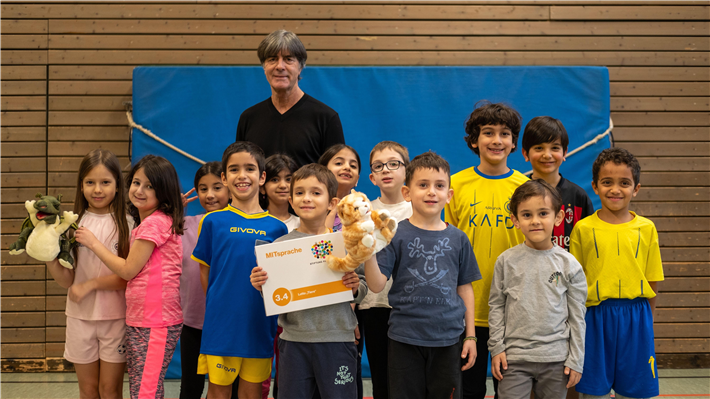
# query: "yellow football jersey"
[618,259]
[480,207]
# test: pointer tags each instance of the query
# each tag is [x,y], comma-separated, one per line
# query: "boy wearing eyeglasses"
[388,162]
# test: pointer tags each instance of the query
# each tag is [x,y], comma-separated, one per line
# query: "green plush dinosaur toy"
[43,233]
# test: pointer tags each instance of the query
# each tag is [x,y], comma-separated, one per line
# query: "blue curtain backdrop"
[423,108]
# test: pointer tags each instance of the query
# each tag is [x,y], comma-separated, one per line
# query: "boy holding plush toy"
[432,267]
[316,347]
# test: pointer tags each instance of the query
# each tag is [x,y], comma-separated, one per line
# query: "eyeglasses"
[391,165]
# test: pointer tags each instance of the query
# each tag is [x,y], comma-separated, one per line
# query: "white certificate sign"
[299,277]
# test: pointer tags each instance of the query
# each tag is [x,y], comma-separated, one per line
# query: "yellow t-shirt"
[618,259]
[480,208]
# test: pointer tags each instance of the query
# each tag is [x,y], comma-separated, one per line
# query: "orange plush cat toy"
[365,231]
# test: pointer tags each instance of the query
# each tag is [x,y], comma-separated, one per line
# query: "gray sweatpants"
[546,380]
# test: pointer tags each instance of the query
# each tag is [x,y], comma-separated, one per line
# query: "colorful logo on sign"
[321,249]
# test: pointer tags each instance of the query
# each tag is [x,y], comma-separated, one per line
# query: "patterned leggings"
[149,351]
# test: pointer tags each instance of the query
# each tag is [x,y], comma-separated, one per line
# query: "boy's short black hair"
[619,156]
[321,173]
[427,160]
[542,130]
[535,188]
[244,146]
[487,113]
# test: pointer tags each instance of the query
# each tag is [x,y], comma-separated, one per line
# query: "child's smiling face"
[495,142]
[213,195]
[311,200]
[428,191]
[277,189]
[615,187]
[142,194]
[546,158]
[537,218]
[346,169]
[242,177]
[99,189]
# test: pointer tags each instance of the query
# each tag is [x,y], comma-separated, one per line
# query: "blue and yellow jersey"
[480,208]
[235,320]
[618,259]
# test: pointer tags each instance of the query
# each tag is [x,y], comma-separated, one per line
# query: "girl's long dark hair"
[118,206]
[164,179]
[273,166]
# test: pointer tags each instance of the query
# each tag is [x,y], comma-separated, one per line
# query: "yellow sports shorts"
[223,370]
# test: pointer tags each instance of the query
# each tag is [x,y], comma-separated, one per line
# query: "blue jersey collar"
[503,176]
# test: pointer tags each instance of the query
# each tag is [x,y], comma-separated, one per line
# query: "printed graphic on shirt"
[569,215]
[343,376]
[432,272]
[555,277]
[121,349]
[560,234]
[489,214]
[247,230]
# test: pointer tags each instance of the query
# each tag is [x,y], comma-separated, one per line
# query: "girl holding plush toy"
[344,162]
[96,304]
[152,269]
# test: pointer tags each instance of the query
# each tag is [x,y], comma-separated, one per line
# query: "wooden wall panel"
[67,70]
[286,11]
[23,110]
[376,27]
[389,43]
[490,2]
[316,57]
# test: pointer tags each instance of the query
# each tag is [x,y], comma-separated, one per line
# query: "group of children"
[565,296]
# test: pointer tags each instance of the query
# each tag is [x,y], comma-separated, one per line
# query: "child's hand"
[186,200]
[351,280]
[77,292]
[574,377]
[357,335]
[258,278]
[469,349]
[85,237]
[496,363]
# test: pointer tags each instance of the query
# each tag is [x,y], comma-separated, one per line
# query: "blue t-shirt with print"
[235,324]
[426,268]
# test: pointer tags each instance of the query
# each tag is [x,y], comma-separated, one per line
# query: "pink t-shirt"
[192,295]
[153,295]
[100,304]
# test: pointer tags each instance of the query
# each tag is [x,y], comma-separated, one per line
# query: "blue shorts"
[619,351]
[331,367]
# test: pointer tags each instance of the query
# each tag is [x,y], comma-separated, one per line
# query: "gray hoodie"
[537,307]
[331,323]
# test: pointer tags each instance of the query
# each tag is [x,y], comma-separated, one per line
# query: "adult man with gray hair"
[290,121]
